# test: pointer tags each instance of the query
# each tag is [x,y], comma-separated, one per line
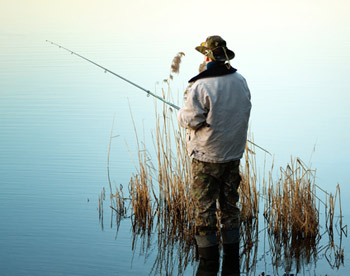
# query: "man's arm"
[194,113]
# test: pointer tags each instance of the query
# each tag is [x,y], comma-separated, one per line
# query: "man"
[216,115]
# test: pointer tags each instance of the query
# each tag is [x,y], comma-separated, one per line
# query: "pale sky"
[253,29]
[168,18]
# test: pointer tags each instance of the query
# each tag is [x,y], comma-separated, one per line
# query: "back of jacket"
[216,115]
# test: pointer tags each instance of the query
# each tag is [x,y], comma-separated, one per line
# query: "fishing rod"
[132,83]
[115,74]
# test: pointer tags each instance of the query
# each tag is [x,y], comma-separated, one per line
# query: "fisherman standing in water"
[216,116]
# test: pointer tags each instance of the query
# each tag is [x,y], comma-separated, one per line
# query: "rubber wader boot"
[208,261]
[230,262]
[209,256]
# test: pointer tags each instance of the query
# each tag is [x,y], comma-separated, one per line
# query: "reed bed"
[292,216]
[160,205]
[291,204]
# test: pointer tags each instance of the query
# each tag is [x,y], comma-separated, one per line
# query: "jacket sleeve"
[195,110]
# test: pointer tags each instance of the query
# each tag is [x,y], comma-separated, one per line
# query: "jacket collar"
[214,69]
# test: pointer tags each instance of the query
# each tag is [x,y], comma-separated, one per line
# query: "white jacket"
[223,103]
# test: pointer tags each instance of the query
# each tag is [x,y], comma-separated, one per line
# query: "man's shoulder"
[202,84]
[239,75]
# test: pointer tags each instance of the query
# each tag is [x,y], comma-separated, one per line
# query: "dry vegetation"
[160,206]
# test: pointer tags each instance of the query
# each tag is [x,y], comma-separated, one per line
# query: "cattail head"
[175,65]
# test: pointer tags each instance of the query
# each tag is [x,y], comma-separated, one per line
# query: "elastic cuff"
[206,241]
[230,236]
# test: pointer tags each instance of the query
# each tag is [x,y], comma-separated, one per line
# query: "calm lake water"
[56,114]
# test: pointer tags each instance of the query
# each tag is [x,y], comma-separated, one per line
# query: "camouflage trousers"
[212,183]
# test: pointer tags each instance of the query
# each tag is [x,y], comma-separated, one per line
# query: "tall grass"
[173,207]
[291,204]
[249,206]
[291,215]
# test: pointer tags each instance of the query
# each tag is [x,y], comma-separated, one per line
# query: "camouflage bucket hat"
[215,48]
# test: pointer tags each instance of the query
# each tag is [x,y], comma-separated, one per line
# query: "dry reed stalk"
[101,198]
[108,156]
[119,207]
[141,202]
[140,193]
[249,205]
[334,252]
